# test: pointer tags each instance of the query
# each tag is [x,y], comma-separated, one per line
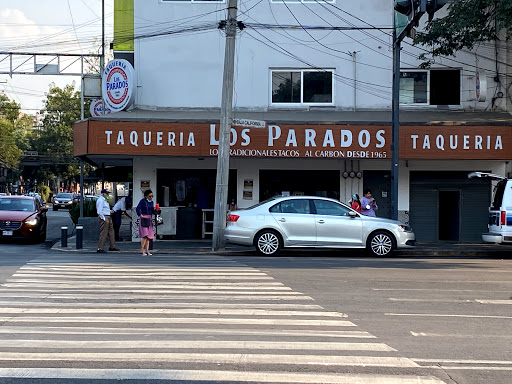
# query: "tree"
[10,154]
[54,143]
[13,138]
[467,23]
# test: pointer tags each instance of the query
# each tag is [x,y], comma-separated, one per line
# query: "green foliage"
[89,210]
[44,191]
[9,152]
[55,139]
[467,23]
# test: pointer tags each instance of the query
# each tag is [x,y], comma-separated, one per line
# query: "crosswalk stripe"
[177,320]
[162,304]
[198,311]
[213,376]
[90,330]
[216,296]
[127,345]
[218,358]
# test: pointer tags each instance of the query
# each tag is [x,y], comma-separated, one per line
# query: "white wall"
[184,70]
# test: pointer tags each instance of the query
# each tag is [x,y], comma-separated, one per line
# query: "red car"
[22,217]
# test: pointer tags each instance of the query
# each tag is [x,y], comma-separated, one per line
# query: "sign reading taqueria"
[291,140]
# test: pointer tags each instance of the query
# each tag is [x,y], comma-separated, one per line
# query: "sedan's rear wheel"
[268,243]
[381,244]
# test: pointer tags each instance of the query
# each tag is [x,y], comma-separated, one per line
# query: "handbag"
[145,222]
[159,220]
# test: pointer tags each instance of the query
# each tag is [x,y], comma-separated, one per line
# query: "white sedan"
[318,222]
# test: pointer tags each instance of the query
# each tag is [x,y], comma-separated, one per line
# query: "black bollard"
[63,237]
[151,244]
[79,236]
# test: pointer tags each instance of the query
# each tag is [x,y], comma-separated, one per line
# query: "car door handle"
[321,221]
[282,219]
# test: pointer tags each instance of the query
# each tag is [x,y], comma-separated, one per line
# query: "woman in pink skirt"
[145,210]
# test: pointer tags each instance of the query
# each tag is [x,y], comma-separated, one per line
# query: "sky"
[48,26]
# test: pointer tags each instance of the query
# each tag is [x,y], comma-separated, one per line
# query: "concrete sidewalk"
[204,246]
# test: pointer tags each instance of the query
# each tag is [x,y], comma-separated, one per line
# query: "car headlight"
[405,228]
[70,202]
[56,201]
[31,222]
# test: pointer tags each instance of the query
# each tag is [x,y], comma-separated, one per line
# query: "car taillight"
[233,218]
[503,219]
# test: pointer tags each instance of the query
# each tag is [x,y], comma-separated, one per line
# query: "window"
[302,87]
[434,87]
[292,206]
[192,1]
[302,1]
[329,208]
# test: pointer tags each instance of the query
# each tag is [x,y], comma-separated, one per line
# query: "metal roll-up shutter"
[423,212]
[426,210]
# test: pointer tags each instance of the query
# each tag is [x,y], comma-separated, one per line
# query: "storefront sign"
[96,108]
[117,84]
[305,141]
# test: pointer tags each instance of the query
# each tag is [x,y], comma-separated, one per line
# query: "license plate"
[63,205]
[7,233]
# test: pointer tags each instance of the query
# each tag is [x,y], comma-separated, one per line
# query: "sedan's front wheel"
[268,243]
[381,244]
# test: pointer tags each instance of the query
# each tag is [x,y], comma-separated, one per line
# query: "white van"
[500,211]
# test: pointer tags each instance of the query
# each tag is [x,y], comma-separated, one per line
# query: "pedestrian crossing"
[181,318]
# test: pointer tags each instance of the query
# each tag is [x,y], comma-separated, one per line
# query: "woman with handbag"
[145,211]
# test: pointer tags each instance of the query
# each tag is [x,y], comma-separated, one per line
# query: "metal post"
[79,236]
[395,126]
[81,188]
[221,188]
[102,58]
[354,64]
[63,237]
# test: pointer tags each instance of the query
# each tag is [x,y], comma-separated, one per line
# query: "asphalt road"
[71,318]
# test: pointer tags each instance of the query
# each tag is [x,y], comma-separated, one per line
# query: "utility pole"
[414,10]
[221,187]
[395,126]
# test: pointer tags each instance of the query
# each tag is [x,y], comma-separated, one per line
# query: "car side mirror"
[352,214]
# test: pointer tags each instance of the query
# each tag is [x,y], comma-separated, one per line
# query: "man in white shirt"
[120,209]
[106,227]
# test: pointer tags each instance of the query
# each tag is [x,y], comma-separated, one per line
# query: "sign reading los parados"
[98,108]
[117,84]
[294,140]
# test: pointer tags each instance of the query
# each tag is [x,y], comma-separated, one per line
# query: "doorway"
[449,215]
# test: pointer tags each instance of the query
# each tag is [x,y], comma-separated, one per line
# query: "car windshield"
[16,205]
[64,196]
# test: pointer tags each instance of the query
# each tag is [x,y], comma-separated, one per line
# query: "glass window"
[192,1]
[317,87]
[499,191]
[330,208]
[413,88]
[302,86]
[16,205]
[292,206]
[286,87]
[435,87]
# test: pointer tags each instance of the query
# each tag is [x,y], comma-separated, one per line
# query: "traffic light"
[435,5]
[406,7]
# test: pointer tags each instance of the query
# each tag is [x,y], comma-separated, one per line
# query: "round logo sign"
[117,84]
[96,108]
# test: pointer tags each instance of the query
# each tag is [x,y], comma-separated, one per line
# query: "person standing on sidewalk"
[145,210]
[120,209]
[106,227]
[368,204]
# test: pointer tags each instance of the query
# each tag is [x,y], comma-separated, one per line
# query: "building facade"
[312,100]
